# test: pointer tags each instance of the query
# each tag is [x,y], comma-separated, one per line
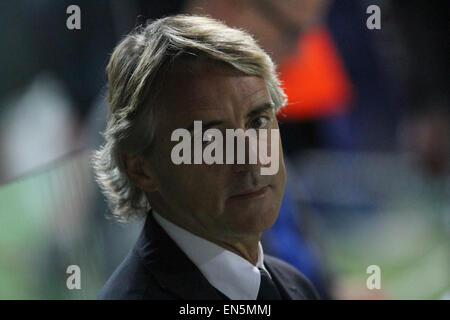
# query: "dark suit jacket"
[156,268]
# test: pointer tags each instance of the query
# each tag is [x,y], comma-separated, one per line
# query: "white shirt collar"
[228,272]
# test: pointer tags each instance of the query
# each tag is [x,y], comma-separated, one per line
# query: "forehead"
[210,89]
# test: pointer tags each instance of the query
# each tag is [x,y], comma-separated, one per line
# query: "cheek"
[190,185]
[197,186]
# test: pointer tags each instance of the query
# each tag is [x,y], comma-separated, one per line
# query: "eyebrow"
[256,110]
[260,109]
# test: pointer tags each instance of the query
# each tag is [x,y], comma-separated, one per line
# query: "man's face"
[208,199]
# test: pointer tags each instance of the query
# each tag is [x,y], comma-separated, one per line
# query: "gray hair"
[136,73]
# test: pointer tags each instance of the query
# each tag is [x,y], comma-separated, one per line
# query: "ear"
[139,172]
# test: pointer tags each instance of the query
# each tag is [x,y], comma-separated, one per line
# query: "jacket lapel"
[288,290]
[173,270]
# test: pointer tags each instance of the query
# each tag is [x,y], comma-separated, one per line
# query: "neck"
[246,249]
[246,246]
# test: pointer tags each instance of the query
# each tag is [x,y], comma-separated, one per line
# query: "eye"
[260,122]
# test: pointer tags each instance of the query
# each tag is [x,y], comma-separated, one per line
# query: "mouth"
[251,194]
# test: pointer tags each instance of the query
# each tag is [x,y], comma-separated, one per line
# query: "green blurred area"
[42,233]
[405,229]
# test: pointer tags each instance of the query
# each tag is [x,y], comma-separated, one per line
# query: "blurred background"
[365,134]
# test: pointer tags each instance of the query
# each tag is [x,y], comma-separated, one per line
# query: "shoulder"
[288,274]
[132,281]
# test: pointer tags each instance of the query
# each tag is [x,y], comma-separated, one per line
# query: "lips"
[253,193]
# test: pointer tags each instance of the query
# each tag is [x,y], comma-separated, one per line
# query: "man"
[201,237]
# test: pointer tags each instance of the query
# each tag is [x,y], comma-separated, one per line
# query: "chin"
[250,216]
[249,221]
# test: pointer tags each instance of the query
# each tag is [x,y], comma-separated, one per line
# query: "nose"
[242,151]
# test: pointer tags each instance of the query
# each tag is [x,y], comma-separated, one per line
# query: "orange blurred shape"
[314,79]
